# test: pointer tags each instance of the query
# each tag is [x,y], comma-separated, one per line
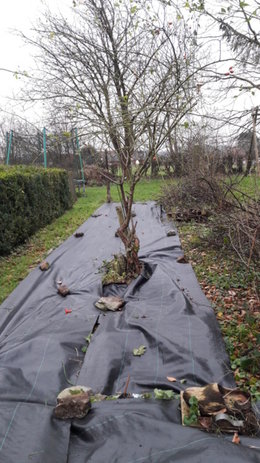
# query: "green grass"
[250,185]
[17,265]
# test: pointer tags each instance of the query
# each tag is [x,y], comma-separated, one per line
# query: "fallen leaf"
[139,351]
[205,422]
[232,293]
[236,438]
[68,311]
[171,379]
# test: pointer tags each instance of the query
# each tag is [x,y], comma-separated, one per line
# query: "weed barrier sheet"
[41,354]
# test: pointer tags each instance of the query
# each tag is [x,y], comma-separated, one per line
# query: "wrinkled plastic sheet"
[165,310]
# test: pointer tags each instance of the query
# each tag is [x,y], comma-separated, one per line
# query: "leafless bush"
[197,192]
[93,176]
[234,216]
[240,229]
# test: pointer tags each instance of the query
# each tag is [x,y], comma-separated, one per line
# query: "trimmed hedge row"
[30,198]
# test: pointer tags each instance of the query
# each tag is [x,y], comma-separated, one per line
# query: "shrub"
[30,198]
[232,216]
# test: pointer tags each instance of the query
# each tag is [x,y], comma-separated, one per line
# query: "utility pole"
[254,118]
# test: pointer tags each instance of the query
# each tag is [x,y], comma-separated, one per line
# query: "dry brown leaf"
[171,379]
[205,422]
[236,438]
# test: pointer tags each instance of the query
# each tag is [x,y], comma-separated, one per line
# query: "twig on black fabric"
[65,374]
[126,386]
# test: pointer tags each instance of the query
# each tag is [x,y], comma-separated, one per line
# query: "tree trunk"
[108,182]
[127,233]
[249,157]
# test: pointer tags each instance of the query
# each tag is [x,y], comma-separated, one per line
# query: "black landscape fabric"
[41,354]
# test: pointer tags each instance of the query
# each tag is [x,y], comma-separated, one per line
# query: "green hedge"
[30,198]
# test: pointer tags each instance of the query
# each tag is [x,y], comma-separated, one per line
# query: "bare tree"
[238,22]
[124,73]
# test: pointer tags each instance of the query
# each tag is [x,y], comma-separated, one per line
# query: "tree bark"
[127,233]
[108,182]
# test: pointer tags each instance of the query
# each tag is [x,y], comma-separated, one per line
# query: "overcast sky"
[17,56]
[14,54]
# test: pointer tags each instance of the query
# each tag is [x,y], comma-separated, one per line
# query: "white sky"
[17,56]
[14,54]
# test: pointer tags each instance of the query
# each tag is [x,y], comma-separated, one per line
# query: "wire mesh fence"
[45,148]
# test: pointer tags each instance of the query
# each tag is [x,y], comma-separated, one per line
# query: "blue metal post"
[9,147]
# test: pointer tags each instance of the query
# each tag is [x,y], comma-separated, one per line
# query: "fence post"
[9,146]
[44,148]
[39,142]
[80,159]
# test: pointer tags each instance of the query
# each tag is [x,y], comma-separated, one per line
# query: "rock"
[72,391]
[112,303]
[73,402]
[44,266]
[78,234]
[63,290]
[171,233]
[182,260]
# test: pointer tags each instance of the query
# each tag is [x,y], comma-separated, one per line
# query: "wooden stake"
[126,386]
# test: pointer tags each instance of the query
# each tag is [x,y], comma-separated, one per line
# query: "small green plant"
[162,394]
[139,351]
[87,339]
[194,412]
[76,391]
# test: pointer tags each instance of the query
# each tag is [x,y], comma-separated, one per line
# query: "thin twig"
[65,374]
[126,386]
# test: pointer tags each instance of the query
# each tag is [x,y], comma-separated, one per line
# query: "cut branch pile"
[232,216]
